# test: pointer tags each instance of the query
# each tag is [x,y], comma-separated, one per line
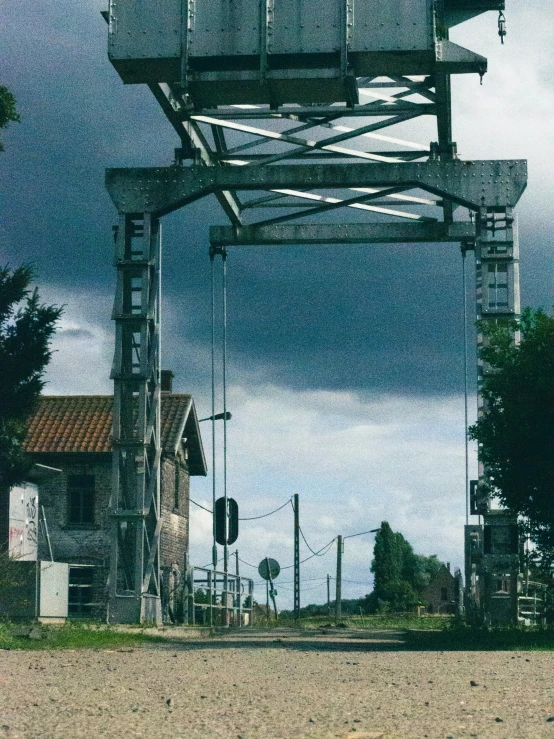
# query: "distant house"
[441,595]
[73,434]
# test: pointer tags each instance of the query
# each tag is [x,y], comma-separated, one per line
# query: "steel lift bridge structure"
[285,111]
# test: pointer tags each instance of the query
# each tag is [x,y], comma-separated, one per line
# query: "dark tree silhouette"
[26,327]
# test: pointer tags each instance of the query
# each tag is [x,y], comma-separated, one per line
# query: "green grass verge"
[377,621]
[72,636]
[465,638]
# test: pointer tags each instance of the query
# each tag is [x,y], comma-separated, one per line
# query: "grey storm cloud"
[384,318]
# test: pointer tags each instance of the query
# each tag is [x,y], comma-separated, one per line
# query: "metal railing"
[214,598]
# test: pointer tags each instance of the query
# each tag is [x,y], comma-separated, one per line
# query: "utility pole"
[296,557]
[329,594]
[338,604]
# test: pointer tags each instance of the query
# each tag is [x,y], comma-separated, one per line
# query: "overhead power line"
[264,515]
[200,506]
[250,518]
[316,554]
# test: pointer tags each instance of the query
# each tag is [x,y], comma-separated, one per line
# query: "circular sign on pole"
[269,569]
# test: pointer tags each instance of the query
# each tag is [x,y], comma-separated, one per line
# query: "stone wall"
[175,512]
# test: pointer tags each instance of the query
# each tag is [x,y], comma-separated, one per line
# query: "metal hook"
[501,26]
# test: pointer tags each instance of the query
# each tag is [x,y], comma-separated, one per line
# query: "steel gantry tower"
[286,110]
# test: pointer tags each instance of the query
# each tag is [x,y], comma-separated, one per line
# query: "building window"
[80,592]
[80,496]
[176,485]
[444,593]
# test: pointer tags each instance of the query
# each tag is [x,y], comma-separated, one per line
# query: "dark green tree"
[26,327]
[8,111]
[515,434]
[400,574]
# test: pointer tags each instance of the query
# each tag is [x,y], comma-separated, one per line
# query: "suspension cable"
[214,545]
[224,289]
[464,289]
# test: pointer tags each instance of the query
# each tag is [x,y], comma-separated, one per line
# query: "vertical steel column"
[498,300]
[296,506]
[134,590]
[497,284]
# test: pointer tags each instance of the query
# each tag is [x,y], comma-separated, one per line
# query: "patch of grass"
[71,636]
[377,621]
[458,637]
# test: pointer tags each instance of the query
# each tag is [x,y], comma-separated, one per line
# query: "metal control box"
[277,51]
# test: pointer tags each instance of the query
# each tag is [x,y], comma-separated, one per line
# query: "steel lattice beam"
[350,233]
[473,184]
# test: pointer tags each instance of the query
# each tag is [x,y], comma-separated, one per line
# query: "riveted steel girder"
[473,184]
[346,233]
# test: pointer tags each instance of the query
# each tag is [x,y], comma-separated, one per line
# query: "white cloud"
[82,345]
[354,462]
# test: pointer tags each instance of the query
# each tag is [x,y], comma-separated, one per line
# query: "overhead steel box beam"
[472,184]
[350,233]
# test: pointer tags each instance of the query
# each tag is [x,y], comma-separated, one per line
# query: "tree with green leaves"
[8,110]
[26,328]
[401,575]
[515,433]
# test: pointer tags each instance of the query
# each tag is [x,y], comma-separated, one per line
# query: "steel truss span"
[283,136]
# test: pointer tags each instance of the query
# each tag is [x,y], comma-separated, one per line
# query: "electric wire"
[244,562]
[316,554]
[326,547]
[289,567]
[254,518]
[200,506]
[361,533]
[249,518]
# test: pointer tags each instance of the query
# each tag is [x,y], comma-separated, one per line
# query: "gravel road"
[279,684]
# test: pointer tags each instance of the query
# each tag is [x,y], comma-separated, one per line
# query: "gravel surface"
[278,684]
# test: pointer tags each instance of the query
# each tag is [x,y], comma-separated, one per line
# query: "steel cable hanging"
[224,289]
[214,544]
[464,288]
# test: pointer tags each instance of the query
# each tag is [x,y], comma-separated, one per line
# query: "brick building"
[441,595]
[73,434]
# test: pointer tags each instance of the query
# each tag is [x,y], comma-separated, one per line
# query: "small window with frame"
[80,499]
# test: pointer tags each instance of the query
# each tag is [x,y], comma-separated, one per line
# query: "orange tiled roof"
[83,423]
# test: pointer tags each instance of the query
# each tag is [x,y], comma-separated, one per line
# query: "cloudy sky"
[345,363]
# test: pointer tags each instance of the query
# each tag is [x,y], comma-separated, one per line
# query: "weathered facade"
[441,595]
[73,433]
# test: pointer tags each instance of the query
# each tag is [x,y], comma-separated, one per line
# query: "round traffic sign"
[268,569]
